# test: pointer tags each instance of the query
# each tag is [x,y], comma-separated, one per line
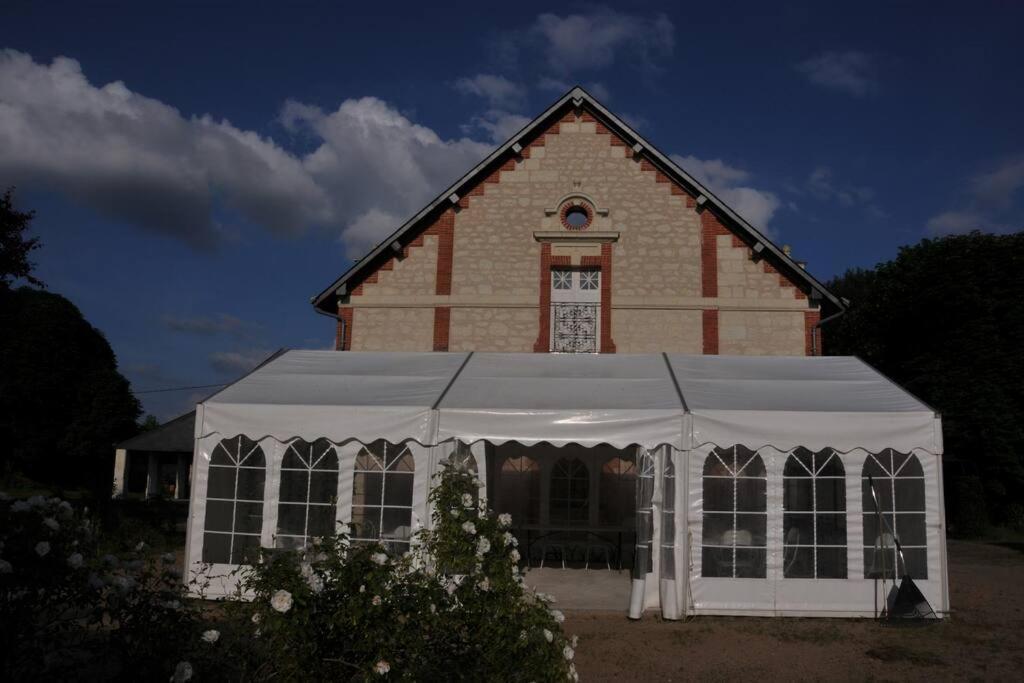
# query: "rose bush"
[451,608]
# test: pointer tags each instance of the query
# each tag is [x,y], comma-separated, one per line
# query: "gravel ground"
[982,640]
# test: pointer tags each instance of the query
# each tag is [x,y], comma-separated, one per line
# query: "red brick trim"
[710,325]
[811,318]
[604,263]
[343,343]
[711,228]
[442,327]
[445,226]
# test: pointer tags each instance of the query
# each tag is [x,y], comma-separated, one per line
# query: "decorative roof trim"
[578,98]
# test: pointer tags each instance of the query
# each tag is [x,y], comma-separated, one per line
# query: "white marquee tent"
[751,472]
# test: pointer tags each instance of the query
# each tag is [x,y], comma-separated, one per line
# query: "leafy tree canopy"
[14,247]
[63,403]
[945,319]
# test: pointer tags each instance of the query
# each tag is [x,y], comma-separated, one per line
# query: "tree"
[945,319]
[14,247]
[63,403]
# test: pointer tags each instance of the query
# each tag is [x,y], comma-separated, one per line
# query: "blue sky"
[199,171]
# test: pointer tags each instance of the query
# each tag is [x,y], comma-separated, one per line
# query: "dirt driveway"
[983,640]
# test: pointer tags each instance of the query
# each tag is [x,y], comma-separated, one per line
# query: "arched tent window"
[814,516]
[309,492]
[382,494]
[617,491]
[234,502]
[570,491]
[517,487]
[733,542]
[899,486]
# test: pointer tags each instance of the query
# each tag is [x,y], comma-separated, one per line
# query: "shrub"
[67,613]
[452,608]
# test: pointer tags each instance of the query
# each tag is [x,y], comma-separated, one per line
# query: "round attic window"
[576,217]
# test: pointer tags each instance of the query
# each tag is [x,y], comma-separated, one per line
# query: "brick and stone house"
[578,235]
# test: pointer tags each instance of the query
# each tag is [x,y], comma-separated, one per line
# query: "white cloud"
[756,206]
[135,159]
[238,362]
[499,91]
[595,39]
[990,203]
[209,325]
[851,72]
[821,185]
[499,125]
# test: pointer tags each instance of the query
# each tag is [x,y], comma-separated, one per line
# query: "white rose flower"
[362,588]
[182,673]
[376,601]
[75,560]
[381,667]
[573,676]
[484,585]
[482,546]
[65,509]
[211,636]
[5,567]
[568,653]
[344,529]
[514,555]
[559,617]
[505,519]
[281,601]
[42,548]
[379,558]
[256,618]
[20,506]
[575,641]
[469,528]
[37,501]
[52,523]
[548,635]
[453,512]
[522,635]
[467,500]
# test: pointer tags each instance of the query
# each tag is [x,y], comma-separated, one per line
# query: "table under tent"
[722,485]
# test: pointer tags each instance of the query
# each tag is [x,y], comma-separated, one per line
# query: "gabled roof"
[174,436]
[580,100]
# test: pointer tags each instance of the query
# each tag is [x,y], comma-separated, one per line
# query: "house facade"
[577,235]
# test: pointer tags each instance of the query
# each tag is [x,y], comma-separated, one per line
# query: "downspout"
[816,330]
[341,321]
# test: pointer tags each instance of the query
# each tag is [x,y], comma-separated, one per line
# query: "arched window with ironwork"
[309,492]
[234,502]
[900,491]
[570,492]
[382,494]
[735,516]
[814,515]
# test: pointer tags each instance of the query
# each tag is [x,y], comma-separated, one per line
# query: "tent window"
[899,485]
[234,502]
[382,494]
[617,499]
[309,492]
[517,487]
[733,543]
[570,491]
[814,516]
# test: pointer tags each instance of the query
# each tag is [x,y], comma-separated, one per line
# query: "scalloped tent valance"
[622,400]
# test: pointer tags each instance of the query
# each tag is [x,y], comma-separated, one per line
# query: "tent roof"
[619,399]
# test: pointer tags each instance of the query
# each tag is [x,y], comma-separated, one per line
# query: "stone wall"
[392,329]
[761,333]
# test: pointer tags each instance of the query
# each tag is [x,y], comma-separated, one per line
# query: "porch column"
[153,476]
[181,481]
[120,472]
